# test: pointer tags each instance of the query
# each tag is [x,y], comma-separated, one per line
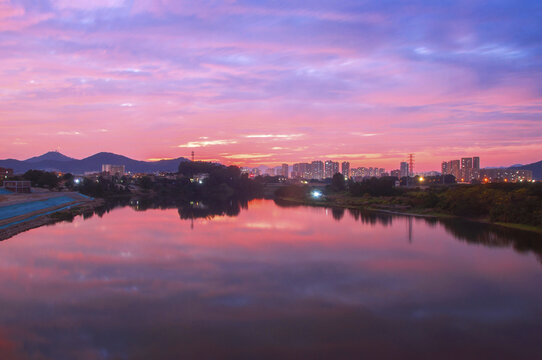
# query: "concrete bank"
[21,212]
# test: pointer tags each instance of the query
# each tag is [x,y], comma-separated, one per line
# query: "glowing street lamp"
[316,194]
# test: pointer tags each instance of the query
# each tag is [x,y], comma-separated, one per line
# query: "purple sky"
[265,82]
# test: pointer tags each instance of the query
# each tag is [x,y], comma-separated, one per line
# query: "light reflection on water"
[247,280]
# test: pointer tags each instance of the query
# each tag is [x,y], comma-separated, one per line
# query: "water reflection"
[257,280]
[464,230]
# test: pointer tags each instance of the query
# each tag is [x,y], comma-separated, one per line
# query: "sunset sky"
[265,82]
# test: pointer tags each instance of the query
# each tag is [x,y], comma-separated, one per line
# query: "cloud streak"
[271,136]
[196,144]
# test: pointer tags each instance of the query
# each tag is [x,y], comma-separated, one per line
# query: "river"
[261,280]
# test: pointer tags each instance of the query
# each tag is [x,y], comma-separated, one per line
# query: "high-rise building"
[404,169]
[285,170]
[335,168]
[306,170]
[328,169]
[396,173]
[466,169]
[444,168]
[355,172]
[455,169]
[317,170]
[296,171]
[301,171]
[476,168]
[345,167]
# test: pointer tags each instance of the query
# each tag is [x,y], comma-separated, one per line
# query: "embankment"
[21,212]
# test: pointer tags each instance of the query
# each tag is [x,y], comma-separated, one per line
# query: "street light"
[316,194]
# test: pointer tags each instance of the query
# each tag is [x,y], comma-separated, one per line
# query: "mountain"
[50,156]
[536,168]
[55,161]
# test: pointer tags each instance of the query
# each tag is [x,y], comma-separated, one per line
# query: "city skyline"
[279,163]
[246,83]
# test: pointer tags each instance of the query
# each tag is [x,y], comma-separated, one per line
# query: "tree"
[41,178]
[145,182]
[338,183]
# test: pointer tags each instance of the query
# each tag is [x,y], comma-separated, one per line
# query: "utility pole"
[192,156]
[411,164]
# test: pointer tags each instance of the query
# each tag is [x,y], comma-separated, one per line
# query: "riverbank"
[390,205]
[22,212]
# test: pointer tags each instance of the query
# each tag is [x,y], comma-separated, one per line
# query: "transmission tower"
[192,156]
[411,164]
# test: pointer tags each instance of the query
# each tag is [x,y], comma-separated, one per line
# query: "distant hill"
[50,156]
[55,161]
[536,168]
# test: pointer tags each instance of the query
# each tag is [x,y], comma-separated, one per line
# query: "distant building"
[396,173]
[199,178]
[285,170]
[467,173]
[430,173]
[114,170]
[464,170]
[301,171]
[317,170]
[404,169]
[466,163]
[355,172]
[505,175]
[476,168]
[17,186]
[335,168]
[444,168]
[5,173]
[345,169]
[455,169]
[330,168]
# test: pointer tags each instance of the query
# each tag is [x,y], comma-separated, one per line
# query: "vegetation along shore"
[512,205]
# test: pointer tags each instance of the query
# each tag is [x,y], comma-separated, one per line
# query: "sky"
[266,82]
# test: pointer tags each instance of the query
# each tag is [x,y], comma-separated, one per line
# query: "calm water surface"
[268,281]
